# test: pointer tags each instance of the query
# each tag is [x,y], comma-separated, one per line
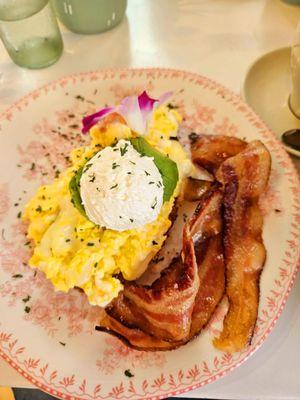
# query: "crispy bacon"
[209,151]
[195,188]
[192,191]
[164,310]
[212,284]
[174,309]
[244,177]
[134,337]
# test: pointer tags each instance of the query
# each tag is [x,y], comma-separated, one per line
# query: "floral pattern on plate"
[49,337]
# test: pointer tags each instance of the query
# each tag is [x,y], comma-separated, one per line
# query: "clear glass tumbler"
[30,33]
[90,16]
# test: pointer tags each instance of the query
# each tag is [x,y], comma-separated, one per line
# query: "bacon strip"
[212,284]
[244,177]
[173,310]
[164,309]
[195,188]
[209,151]
[134,337]
[180,303]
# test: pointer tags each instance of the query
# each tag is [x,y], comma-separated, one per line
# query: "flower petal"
[136,111]
[146,103]
[131,112]
[91,120]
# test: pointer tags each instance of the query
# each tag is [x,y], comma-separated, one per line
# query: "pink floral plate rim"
[277,148]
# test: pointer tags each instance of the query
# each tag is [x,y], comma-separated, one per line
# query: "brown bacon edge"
[209,151]
[218,149]
[244,177]
[128,321]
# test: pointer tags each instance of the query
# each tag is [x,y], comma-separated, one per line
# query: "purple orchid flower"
[92,119]
[136,111]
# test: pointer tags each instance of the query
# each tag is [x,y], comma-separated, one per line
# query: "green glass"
[90,16]
[30,33]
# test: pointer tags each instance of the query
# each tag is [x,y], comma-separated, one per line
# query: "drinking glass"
[30,33]
[90,16]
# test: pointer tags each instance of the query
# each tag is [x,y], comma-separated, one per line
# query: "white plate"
[54,345]
[267,88]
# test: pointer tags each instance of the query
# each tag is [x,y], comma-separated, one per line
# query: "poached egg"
[121,189]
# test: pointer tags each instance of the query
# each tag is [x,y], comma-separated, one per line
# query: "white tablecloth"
[217,38]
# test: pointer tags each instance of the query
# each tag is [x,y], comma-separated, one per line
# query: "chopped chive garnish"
[154,204]
[87,166]
[93,177]
[128,373]
[171,106]
[123,150]
[115,165]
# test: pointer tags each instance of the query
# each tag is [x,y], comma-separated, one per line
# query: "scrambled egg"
[74,252]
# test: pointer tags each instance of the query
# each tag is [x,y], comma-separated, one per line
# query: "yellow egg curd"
[74,252]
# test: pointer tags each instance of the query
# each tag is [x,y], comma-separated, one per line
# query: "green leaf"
[74,187]
[167,168]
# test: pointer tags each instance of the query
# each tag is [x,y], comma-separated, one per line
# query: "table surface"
[219,39]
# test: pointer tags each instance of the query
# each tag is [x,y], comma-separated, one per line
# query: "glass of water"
[30,33]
